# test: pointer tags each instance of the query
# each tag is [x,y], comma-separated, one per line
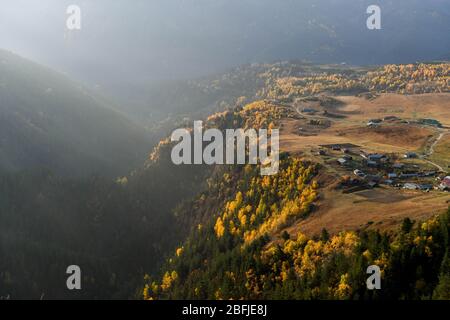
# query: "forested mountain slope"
[48,121]
[114,230]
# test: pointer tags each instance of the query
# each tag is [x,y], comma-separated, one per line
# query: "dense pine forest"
[115,230]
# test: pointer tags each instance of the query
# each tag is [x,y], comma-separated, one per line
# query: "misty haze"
[93,205]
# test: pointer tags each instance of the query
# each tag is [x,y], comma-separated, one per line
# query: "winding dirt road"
[431,150]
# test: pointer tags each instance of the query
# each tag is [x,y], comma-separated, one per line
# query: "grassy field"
[384,207]
[298,134]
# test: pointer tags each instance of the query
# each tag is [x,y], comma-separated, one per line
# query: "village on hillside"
[366,151]
[369,170]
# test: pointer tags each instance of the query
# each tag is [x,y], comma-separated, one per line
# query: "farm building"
[390,118]
[431,122]
[373,177]
[425,186]
[427,174]
[374,121]
[376,157]
[372,184]
[408,175]
[410,186]
[347,157]
[372,164]
[410,155]
[445,183]
[359,173]
[372,124]
[392,175]
[309,110]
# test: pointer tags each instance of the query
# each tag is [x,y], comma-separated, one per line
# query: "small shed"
[410,155]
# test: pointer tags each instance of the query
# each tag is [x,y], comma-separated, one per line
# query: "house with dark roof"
[392,175]
[425,186]
[390,118]
[374,121]
[372,184]
[411,186]
[410,155]
[376,157]
[431,122]
[408,175]
[372,164]
[309,110]
[347,157]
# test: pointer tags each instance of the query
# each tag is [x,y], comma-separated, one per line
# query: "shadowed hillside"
[48,121]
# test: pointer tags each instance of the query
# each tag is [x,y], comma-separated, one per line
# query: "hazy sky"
[135,40]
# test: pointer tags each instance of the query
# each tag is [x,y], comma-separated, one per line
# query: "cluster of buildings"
[443,186]
[376,122]
[426,122]
[372,169]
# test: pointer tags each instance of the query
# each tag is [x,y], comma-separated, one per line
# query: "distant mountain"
[46,120]
[162,105]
